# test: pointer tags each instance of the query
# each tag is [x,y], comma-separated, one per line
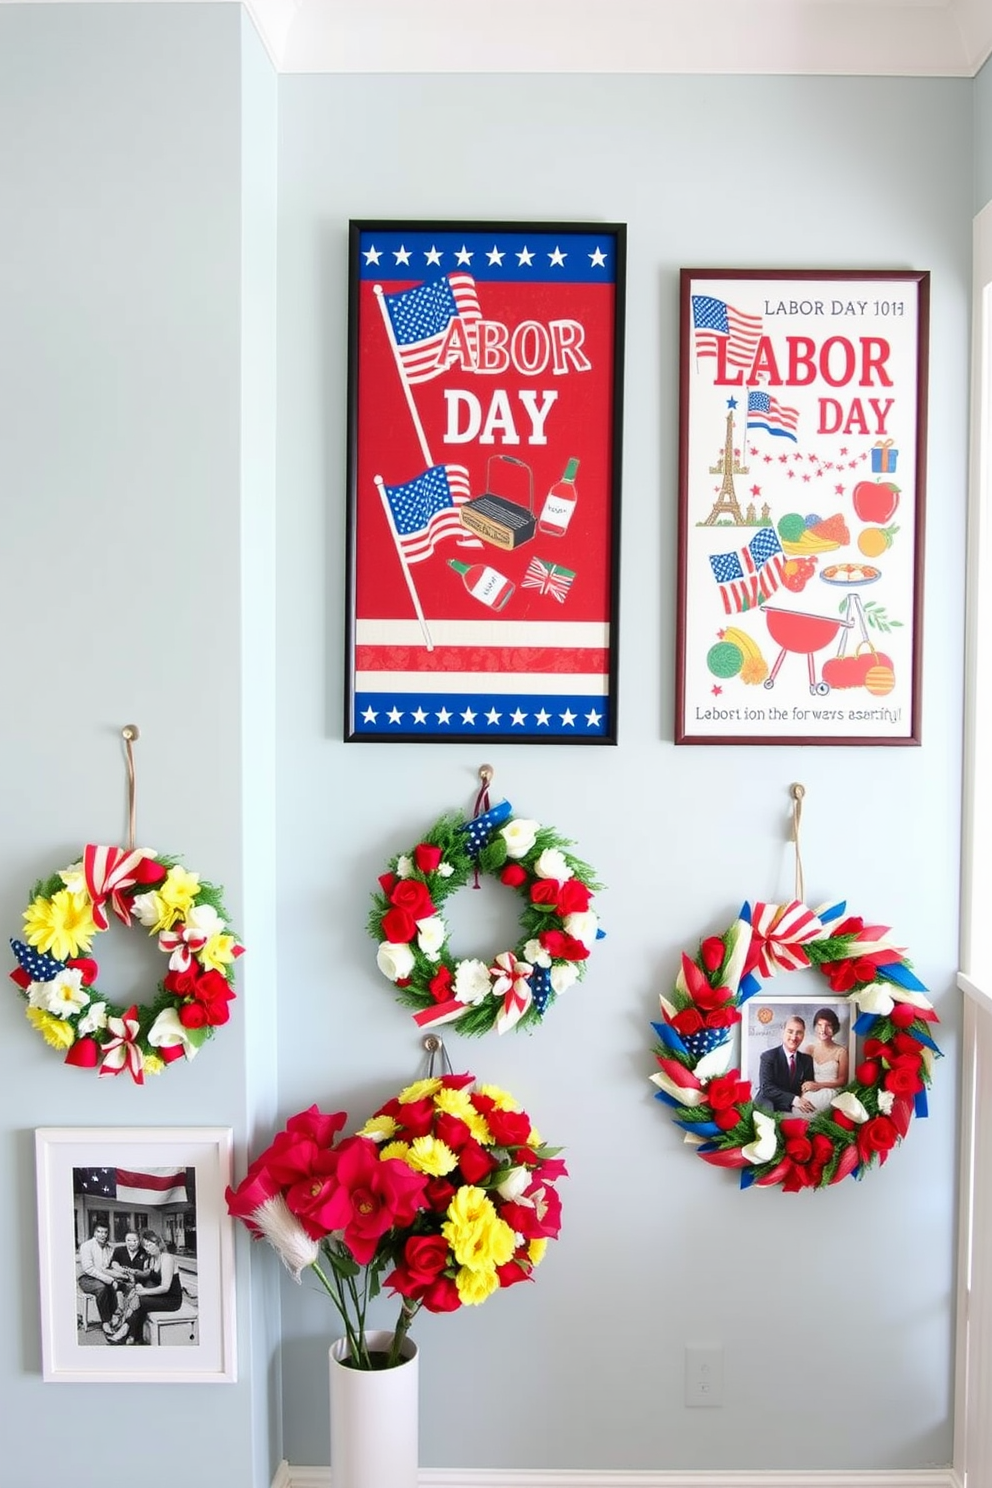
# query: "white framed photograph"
[798,1052]
[136,1255]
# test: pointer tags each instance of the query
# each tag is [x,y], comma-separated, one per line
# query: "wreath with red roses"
[713,1104]
[512,989]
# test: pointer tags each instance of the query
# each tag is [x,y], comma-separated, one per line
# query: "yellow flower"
[418,1090]
[218,952]
[429,1155]
[54,1031]
[457,1103]
[153,912]
[478,1238]
[474,1286]
[179,890]
[535,1251]
[153,1065]
[395,1149]
[62,926]
[379,1127]
[535,1139]
[501,1099]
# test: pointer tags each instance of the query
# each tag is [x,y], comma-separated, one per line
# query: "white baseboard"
[320,1477]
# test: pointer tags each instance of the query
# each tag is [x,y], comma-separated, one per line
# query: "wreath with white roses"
[512,989]
[57,975]
[712,1103]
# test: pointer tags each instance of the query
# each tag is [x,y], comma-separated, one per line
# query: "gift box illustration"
[884,457]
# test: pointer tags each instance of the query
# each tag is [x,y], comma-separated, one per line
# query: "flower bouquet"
[445,1196]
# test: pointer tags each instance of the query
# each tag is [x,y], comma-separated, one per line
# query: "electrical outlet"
[704,1375]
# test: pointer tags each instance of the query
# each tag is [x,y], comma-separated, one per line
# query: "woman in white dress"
[830,1061]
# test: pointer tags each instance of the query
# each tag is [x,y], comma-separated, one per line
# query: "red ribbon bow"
[122,1051]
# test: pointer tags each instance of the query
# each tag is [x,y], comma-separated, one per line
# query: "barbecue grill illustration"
[803,634]
[500,520]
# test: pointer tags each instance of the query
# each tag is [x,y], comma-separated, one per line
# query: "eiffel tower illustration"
[726,504]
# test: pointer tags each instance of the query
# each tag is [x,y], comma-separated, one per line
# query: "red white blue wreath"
[57,974]
[511,989]
[712,1103]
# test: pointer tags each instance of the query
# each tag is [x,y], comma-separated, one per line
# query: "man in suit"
[782,1072]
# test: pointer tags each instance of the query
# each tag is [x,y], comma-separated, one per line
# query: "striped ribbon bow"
[183,941]
[778,932]
[108,872]
[513,985]
[122,1051]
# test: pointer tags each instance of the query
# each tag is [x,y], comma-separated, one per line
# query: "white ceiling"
[892,38]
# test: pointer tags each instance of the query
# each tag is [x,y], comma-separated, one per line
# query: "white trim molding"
[320,1477]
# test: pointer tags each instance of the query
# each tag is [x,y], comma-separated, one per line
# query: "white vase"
[374,1418]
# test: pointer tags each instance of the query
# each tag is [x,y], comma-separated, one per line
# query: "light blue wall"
[173,522]
[983,136]
[121,490]
[584,1369]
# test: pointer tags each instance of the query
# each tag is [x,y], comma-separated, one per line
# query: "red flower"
[399,926]
[562,947]
[688,1021]
[843,975]
[879,1136]
[723,1017]
[513,875]
[442,1296]
[181,983]
[727,1090]
[904,1043]
[904,1080]
[511,1273]
[573,897]
[257,1186]
[475,1162]
[439,1194]
[87,966]
[316,1126]
[425,1256]
[452,1131]
[440,984]
[711,953]
[875,1049]
[214,991]
[372,1196]
[386,882]
[193,1015]
[413,896]
[868,1071]
[805,1156]
[728,1118]
[903,1014]
[544,891]
[415,1118]
[426,856]
[509,1128]
[148,872]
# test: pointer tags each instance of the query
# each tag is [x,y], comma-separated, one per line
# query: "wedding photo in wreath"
[136,1257]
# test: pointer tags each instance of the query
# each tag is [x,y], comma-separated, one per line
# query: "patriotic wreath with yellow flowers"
[512,989]
[57,975]
[714,1106]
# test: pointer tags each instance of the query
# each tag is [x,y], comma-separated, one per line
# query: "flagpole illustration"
[379,293]
[411,586]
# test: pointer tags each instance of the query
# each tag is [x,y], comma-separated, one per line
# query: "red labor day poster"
[485,388]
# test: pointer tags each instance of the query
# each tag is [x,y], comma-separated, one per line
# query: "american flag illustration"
[751,574]
[715,322]
[148,1186]
[548,578]
[766,412]
[425,509]
[420,318]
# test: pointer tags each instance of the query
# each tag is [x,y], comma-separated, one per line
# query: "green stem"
[408,1311]
[355,1341]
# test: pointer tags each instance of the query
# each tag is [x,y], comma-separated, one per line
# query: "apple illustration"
[875,501]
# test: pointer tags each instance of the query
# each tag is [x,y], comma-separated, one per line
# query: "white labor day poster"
[801,503]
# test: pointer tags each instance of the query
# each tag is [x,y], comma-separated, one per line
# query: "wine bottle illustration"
[559,504]
[484,583]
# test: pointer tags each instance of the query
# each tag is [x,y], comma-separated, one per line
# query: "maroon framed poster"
[485,398]
[801,503]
